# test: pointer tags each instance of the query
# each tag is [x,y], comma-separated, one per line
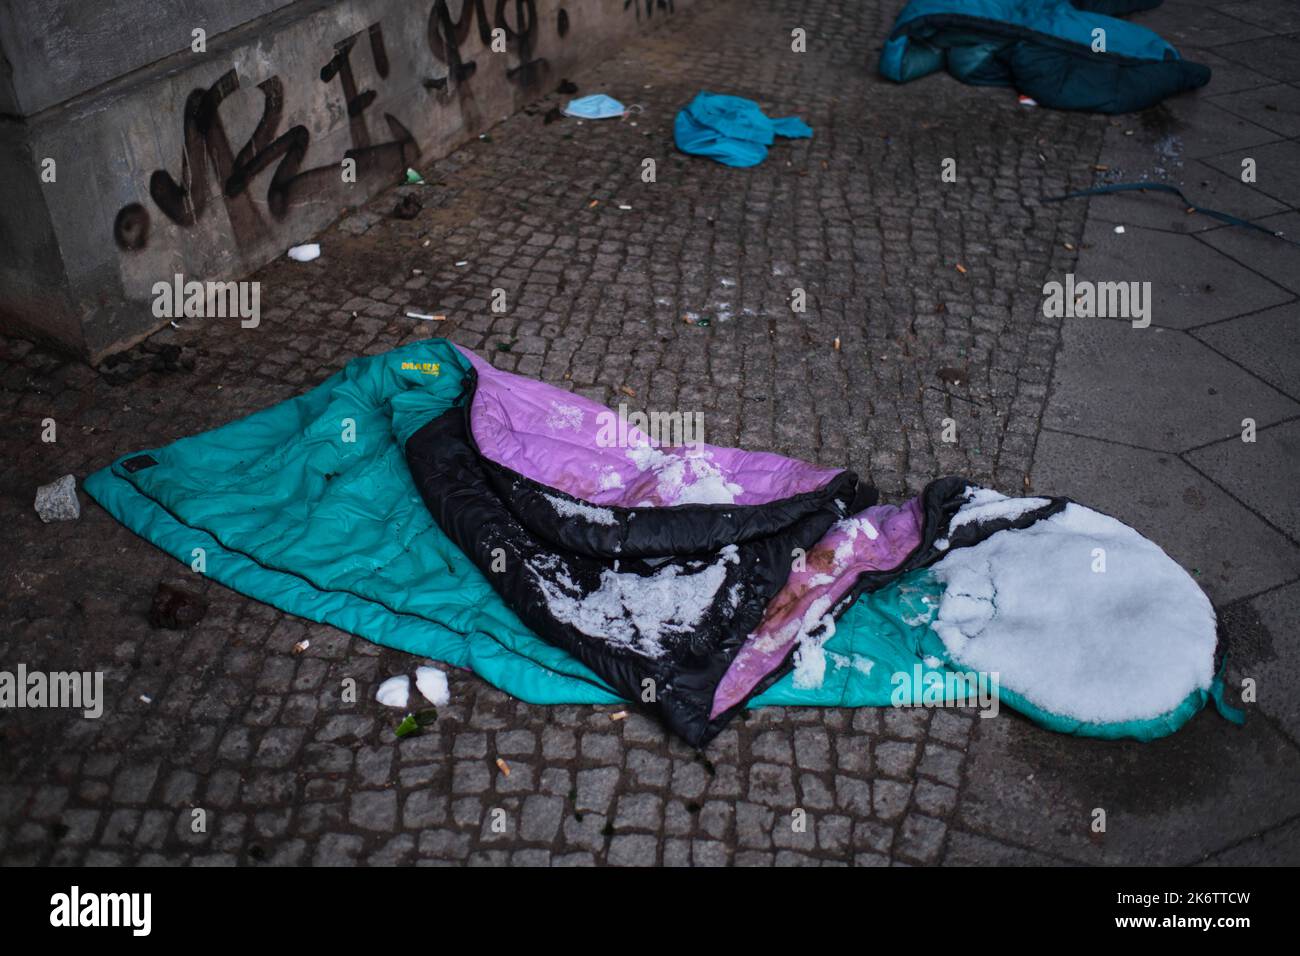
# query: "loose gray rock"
[58,501]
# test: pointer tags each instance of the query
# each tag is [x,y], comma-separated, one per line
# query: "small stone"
[58,501]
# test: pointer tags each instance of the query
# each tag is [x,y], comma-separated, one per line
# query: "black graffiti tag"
[650,6]
[447,34]
[206,141]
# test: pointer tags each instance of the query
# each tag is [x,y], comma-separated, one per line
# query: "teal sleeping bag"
[309,506]
[1065,55]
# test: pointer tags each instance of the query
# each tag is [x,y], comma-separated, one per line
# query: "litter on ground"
[597,106]
[395,691]
[731,129]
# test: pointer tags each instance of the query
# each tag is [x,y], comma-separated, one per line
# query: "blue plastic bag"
[731,129]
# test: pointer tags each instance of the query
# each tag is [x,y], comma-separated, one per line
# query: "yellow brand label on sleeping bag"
[426,368]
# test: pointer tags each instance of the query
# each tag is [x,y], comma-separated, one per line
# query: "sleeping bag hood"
[427,501]
[1066,54]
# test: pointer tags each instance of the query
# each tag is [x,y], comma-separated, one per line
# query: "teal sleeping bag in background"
[1065,55]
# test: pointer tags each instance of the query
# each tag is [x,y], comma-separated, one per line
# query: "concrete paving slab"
[1226,76]
[1262,474]
[1191,284]
[1151,387]
[1267,343]
[1278,16]
[1188,127]
[1268,256]
[972,849]
[1175,800]
[1231,553]
[1206,186]
[1275,56]
[1275,107]
[1277,168]
[1203,27]
[1277,847]
[1263,648]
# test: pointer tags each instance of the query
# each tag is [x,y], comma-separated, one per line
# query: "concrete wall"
[210,164]
[58,49]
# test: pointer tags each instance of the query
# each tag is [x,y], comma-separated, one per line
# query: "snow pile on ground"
[1129,642]
[639,612]
[685,477]
[432,683]
[395,691]
[576,509]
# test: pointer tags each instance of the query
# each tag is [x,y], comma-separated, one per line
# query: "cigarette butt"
[961,268]
[620,715]
[629,392]
[837,343]
[503,766]
[301,646]
[593,204]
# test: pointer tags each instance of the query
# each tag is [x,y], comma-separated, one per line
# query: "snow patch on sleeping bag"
[1100,636]
[634,611]
[984,505]
[685,476]
[567,508]
[580,447]
[876,539]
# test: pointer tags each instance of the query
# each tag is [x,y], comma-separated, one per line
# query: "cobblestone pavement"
[933,293]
